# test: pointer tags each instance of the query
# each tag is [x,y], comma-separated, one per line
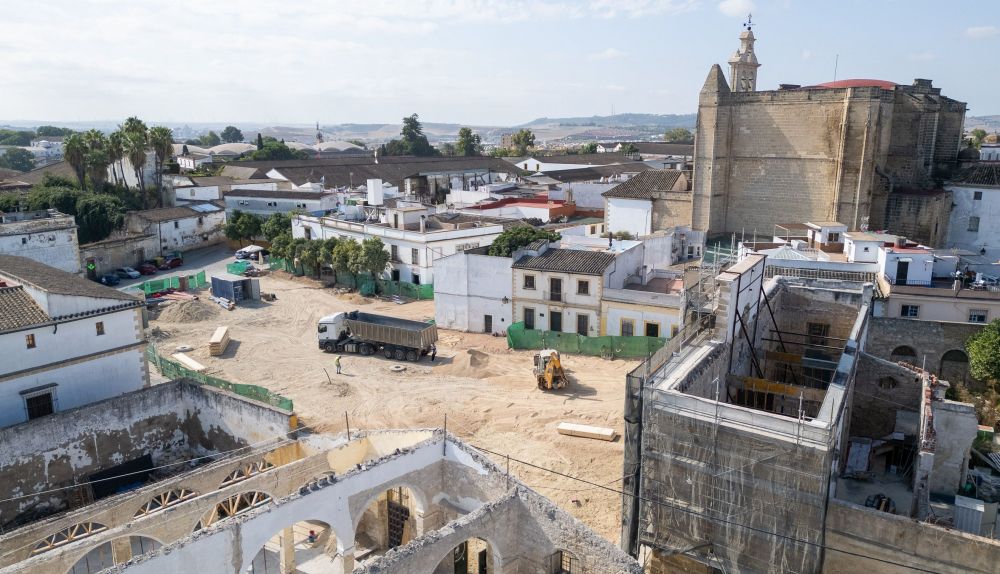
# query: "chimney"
[423,224]
[900,241]
[375,192]
[569,196]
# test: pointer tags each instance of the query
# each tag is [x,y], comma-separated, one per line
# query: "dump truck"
[368,333]
[549,371]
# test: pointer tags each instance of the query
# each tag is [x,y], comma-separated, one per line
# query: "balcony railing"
[557,296]
[909,282]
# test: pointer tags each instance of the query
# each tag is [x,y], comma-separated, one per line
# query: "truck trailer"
[368,333]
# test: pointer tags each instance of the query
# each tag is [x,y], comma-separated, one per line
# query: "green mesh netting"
[173,370]
[609,347]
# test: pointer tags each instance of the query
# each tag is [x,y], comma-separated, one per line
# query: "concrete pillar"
[286,554]
[347,561]
[121,550]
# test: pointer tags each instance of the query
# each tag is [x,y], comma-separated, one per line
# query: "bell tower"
[743,63]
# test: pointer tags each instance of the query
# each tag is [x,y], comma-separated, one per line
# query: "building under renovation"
[180,477]
[763,439]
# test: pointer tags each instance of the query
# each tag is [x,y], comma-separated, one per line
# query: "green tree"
[468,143]
[517,237]
[281,246]
[523,140]
[136,141]
[19,159]
[311,255]
[447,148]
[52,131]
[588,148]
[412,140]
[211,139]
[984,353]
[273,150]
[96,158]
[629,149]
[276,225]
[373,258]
[98,215]
[260,141]
[53,180]
[62,199]
[678,135]
[10,202]
[75,153]
[501,152]
[17,138]
[162,141]
[231,134]
[116,153]
[345,257]
[977,136]
[242,226]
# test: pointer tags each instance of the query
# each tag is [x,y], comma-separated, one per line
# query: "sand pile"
[189,312]
[470,363]
[354,299]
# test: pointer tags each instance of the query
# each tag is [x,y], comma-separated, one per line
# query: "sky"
[476,62]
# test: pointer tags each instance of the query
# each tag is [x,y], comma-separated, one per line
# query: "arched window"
[67,535]
[904,354]
[165,499]
[237,504]
[954,367]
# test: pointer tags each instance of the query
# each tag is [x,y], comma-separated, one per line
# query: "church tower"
[743,63]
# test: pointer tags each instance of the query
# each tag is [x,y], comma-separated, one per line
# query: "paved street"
[212,259]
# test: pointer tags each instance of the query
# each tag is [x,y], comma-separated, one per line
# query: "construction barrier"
[363,282]
[173,370]
[518,337]
[238,267]
[196,281]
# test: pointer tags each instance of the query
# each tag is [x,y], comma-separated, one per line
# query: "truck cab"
[331,329]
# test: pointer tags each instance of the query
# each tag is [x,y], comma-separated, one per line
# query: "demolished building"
[178,475]
[740,442]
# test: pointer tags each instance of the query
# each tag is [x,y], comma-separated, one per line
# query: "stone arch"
[113,552]
[390,517]
[232,506]
[470,552]
[904,353]
[954,367]
[310,541]
[164,500]
[245,471]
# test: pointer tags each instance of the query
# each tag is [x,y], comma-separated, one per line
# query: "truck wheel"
[400,355]
[328,347]
[387,352]
[412,356]
[366,349]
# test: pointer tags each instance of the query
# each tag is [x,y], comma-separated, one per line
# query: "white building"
[651,201]
[415,236]
[472,292]
[546,164]
[989,152]
[974,224]
[180,228]
[193,161]
[48,237]
[65,341]
[125,165]
[181,189]
[266,203]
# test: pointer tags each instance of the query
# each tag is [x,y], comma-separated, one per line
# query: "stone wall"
[920,217]
[110,254]
[929,340]
[860,539]
[671,209]
[881,388]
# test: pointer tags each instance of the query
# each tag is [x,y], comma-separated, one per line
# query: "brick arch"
[954,366]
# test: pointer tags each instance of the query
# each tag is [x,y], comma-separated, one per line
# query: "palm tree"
[162,140]
[116,152]
[136,142]
[96,159]
[75,151]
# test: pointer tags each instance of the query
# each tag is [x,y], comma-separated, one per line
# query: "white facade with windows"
[65,341]
[472,292]
[974,223]
[180,228]
[267,202]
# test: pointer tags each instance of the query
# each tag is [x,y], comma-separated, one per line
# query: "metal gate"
[398,515]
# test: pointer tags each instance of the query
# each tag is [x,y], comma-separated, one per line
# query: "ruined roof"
[568,261]
[987,174]
[241,172]
[171,213]
[56,281]
[646,185]
[19,310]
[276,194]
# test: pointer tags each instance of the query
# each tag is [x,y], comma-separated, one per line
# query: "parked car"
[251,251]
[171,262]
[127,273]
[147,269]
[109,279]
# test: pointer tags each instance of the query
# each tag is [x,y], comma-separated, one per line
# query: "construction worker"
[337,363]
[434,352]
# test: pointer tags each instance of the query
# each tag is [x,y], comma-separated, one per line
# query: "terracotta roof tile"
[19,310]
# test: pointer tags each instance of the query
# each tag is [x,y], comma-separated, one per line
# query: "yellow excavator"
[549,370]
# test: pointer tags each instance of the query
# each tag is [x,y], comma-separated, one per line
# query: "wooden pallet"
[219,341]
[586,431]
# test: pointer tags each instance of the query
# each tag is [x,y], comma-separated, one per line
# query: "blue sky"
[473,62]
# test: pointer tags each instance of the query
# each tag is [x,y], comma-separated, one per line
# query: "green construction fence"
[363,282]
[173,370]
[518,337]
[196,281]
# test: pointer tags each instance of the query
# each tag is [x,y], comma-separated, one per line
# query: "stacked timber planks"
[220,340]
[586,431]
[188,362]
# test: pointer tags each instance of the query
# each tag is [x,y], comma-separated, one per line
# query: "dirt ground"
[486,390]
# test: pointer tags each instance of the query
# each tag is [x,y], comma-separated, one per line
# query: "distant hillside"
[622,121]
[989,123]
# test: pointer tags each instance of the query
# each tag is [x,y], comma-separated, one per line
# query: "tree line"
[97,213]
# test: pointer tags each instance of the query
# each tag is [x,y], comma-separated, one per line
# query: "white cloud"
[981,32]
[807,54]
[608,54]
[736,8]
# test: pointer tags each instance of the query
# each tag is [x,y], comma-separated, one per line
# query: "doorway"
[902,271]
[395,274]
[555,290]
[529,318]
[487,323]
[555,321]
[582,324]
